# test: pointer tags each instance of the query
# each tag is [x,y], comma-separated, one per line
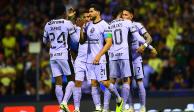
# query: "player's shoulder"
[126,21]
[77,27]
[103,22]
[89,23]
[138,24]
[58,21]
[116,21]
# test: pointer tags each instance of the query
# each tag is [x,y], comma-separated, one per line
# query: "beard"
[93,18]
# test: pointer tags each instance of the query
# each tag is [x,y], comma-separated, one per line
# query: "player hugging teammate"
[106,53]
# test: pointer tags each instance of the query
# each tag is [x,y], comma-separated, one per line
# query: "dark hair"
[116,11]
[96,7]
[59,8]
[85,11]
[129,9]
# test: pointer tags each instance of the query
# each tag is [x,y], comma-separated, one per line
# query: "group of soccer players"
[107,52]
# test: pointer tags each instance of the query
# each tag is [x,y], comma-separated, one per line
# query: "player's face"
[86,17]
[127,15]
[93,13]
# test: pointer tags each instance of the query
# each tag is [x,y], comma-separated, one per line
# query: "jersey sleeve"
[45,36]
[141,28]
[107,33]
[72,32]
[71,28]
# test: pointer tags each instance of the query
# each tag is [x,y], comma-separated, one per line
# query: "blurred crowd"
[170,23]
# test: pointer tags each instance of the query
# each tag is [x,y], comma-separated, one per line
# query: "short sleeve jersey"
[95,37]
[120,33]
[57,33]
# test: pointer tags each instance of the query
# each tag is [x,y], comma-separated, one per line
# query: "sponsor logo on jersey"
[92,30]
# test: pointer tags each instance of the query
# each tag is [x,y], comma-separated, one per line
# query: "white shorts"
[81,71]
[138,70]
[60,67]
[97,72]
[120,68]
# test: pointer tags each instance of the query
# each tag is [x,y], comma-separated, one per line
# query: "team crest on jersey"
[92,30]
[111,54]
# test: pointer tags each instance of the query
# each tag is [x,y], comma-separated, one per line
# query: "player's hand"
[96,60]
[71,13]
[80,22]
[141,49]
[154,52]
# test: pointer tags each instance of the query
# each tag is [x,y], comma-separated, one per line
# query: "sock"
[68,91]
[142,93]
[59,93]
[125,93]
[96,96]
[117,86]
[77,97]
[113,90]
[130,100]
[107,96]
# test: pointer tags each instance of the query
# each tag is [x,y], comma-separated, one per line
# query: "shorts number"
[138,69]
[102,72]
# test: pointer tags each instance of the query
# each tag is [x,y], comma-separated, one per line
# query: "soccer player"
[122,31]
[56,33]
[137,48]
[99,41]
[80,67]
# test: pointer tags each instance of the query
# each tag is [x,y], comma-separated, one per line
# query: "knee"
[139,81]
[126,80]
[94,83]
[106,83]
[78,83]
[58,80]
[113,81]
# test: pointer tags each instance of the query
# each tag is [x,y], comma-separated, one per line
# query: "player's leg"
[56,72]
[139,76]
[107,96]
[67,70]
[77,95]
[113,67]
[113,90]
[125,75]
[94,84]
[80,72]
[111,87]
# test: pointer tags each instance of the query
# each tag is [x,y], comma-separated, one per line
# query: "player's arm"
[71,15]
[142,41]
[144,33]
[82,36]
[133,31]
[82,24]
[148,39]
[108,44]
[72,32]
[150,47]
[45,38]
